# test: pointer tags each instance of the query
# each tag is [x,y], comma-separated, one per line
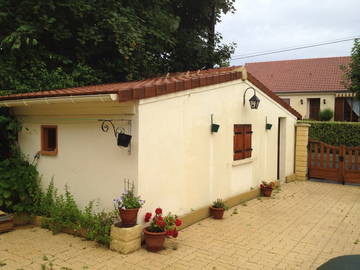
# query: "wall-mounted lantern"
[268,126]
[122,138]
[324,101]
[301,101]
[254,100]
[214,127]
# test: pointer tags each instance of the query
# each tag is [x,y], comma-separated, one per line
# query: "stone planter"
[217,213]
[125,240]
[128,217]
[154,240]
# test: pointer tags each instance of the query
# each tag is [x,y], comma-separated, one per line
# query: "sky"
[266,25]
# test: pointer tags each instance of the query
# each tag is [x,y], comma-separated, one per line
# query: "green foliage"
[19,181]
[335,133]
[219,203]
[19,185]
[326,115]
[9,128]
[62,212]
[352,72]
[59,44]
[128,200]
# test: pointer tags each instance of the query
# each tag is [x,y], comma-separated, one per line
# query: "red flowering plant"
[160,223]
[267,185]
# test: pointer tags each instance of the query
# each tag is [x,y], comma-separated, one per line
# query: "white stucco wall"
[303,109]
[88,160]
[175,162]
[182,166]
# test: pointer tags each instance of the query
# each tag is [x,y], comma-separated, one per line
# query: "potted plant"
[217,209]
[266,188]
[128,205]
[160,227]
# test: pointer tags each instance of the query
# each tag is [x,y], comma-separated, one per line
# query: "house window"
[242,141]
[286,100]
[49,145]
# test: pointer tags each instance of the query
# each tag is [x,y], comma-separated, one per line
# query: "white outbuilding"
[194,138]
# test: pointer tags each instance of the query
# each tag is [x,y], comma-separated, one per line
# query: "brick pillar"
[301,151]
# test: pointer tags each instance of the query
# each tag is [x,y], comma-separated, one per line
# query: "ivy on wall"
[19,179]
[335,133]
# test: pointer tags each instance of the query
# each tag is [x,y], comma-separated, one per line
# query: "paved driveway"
[305,224]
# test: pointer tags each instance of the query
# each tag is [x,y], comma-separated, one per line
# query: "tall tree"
[57,44]
[352,72]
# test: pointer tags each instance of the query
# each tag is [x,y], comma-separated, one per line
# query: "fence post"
[301,151]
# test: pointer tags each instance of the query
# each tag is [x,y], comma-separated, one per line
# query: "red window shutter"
[238,142]
[247,141]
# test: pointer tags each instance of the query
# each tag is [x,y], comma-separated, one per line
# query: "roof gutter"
[57,100]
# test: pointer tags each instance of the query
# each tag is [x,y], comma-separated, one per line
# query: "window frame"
[44,150]
[245,140]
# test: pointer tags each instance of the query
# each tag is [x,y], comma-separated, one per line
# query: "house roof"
[302,75]
[156,86]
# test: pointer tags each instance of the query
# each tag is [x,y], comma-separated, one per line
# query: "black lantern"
[214,127]
[254,100]
[123,139]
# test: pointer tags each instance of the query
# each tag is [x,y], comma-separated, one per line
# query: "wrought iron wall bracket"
[108,125]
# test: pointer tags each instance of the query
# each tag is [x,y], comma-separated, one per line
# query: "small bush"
[19,185]
[62,212]
[326,115]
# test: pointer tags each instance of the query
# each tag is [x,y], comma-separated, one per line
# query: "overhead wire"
[250,55]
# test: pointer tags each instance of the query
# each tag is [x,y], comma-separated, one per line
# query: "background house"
[174,159]
[310,85]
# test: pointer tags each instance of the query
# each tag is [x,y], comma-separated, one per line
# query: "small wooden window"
[49,140]
[242,141]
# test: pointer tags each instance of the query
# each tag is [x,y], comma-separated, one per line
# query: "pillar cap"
[302,125]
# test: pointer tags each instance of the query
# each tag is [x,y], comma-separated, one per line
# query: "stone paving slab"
[301,227]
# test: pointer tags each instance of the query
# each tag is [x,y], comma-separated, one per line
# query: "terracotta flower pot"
[217,213]
[128,217]
[154,240]
[266,191]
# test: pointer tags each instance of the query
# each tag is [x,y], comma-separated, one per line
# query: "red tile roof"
[302,75]
[156,86]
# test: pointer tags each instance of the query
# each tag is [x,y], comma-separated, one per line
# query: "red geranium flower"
[175,233]
[147,217]
[178,222]
[158,222]
[169,233]
[158,211]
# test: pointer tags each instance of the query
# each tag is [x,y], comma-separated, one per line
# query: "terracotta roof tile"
[302,75]
[156,86]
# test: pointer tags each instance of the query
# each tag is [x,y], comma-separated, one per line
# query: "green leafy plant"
[326,115]
[128,200]
[335,133]
[61,212]
[19,185]
[219,203]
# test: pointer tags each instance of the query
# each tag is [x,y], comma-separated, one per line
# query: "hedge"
[335,133]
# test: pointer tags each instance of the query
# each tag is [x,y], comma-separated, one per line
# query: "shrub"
[62,212]
[335,133]
[19,185]
[326,115]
